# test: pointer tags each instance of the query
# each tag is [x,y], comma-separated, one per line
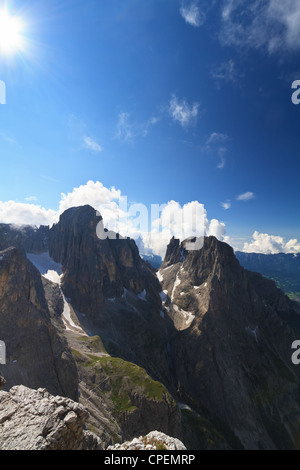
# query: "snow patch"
[143,296]
[252,332]
[46,266]
[52,271]
[184,406]
[164,296]
[188,316]
[176,284]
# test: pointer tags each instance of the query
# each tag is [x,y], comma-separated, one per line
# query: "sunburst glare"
[11,33]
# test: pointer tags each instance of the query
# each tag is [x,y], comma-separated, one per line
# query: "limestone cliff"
[37,353]
[231,354]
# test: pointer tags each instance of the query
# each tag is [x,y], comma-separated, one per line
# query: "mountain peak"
[79,215]
[211,249]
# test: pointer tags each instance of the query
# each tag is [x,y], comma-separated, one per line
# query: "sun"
[11,28]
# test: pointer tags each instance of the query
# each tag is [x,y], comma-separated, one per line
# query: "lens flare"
[11,38]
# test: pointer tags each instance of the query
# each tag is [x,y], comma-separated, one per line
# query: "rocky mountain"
[231,355]
[200,350]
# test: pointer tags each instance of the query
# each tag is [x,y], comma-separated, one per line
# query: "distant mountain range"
[199,350]
[284,269]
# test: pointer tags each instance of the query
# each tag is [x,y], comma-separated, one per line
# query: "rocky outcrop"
[36,420]
[26,238]
[37,354]
[153,441]
[231,354]
[96,270]
[2,383]
[119,392]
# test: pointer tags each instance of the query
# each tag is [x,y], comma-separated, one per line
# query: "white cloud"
[270,24]
[192,14]
[215,143]
[96,195]
[226,72]
[8,138]
[92,145]
[17,213]
[182,112]
[31,199]
[124,128]
[128,131]
[215,228]
[271,244]
[226,205]
[246,196]
[182,222]
[216,137]
[221,152]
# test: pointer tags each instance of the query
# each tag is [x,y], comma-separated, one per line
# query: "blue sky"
[161,99]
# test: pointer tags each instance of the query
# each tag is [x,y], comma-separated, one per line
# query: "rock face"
[119,392]
[25,238]
[37,353]
[232,351]
[2,383]
[36,420]
[115,290]
[96,270]
[153,441]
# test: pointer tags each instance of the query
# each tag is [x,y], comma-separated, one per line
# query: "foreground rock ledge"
[153,441]
[36,420]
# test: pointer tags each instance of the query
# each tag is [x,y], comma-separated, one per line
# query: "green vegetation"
[159,445]
[126,380]
[95,343]
[288,286]
[294,296]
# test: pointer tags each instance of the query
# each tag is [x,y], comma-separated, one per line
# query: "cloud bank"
[270,244]
[273,25]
